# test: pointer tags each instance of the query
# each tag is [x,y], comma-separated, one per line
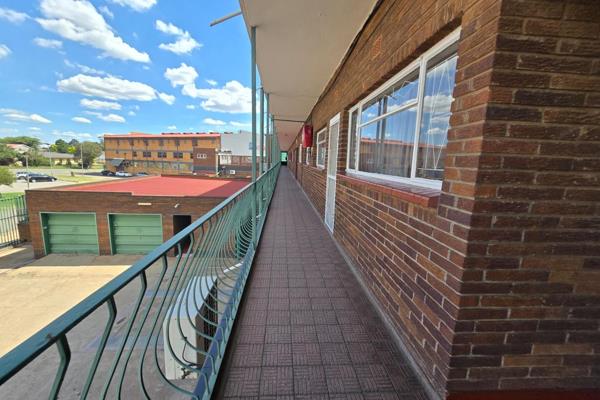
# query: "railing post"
[268,131]
[253,75]
[262,131]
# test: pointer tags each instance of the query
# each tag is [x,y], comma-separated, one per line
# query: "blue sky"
[79,68]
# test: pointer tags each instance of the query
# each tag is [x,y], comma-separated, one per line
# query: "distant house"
[19,147]
[58,158]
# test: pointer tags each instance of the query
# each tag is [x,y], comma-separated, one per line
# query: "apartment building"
[167,153]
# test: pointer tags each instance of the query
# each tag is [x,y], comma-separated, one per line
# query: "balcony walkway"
[306,328]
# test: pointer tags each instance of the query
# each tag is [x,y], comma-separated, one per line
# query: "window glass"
[439,84]
[403,131]
[321,148]
[352,140]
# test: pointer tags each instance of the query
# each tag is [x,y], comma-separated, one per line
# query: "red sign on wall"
[307,136]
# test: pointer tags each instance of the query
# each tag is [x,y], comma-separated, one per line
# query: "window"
[401,130]
[299,154]
[161,142]
[177,154]
[201,156]
[134,153]
[225,159]
[321,148]
[162,154]
[145,142]
[147,154]
[308,152]
[194,142]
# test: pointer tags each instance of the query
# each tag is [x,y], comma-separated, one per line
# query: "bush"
[6,177]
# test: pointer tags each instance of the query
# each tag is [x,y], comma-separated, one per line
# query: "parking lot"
[64,176]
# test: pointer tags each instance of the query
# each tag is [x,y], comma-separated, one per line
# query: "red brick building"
[122,216]
[455,159]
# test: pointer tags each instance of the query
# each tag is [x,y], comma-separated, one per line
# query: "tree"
[61,146]
[91,150]
[35,159]
[7,155]
[6,177]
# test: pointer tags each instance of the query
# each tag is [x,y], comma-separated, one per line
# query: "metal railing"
[159,329]
[13,211]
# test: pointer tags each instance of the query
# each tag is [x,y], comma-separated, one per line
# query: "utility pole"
[27,169]
[81,158]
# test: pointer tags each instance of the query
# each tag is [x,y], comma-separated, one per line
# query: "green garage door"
[135,233]
[70,233]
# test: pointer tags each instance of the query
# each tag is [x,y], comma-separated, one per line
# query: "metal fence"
[159,329]
[12,212]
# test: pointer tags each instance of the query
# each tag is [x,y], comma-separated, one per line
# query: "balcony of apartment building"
[433,236]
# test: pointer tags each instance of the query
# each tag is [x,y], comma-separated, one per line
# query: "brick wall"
[492,283]
[531,288]
[39,201]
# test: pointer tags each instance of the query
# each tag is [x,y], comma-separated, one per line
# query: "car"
[21,175]
[106,172]
[123,174]
[40,178]
[141,174]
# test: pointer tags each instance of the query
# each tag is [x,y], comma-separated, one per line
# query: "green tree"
[61,146]
[35,159]
[6,176]
[91,150]
[7,155]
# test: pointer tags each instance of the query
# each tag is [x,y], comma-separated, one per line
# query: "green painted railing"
[12,212]
[160,328]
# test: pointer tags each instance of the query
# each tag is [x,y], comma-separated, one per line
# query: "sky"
[83,68]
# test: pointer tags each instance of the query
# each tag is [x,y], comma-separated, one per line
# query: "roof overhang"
[299,45]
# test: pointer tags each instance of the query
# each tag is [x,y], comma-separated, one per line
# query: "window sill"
[422,196]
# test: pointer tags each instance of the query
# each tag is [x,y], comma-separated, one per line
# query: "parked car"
[40,178]
[106,172]
[142,174]
[123,174]
[21,175]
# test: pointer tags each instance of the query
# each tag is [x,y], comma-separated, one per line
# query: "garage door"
[135,233]
[70,233]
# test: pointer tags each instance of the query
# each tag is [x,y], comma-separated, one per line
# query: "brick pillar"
[527,133]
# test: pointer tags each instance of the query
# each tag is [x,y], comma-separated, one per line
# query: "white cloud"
[106,117]
[17,115]
[211,82]
[239,124]
[99,104]
[81,120]
[190,107]
[4,51]
[71,134]
[137,5]
[79,21]
[13,16]
[112,118]
[167,98]
[233,97]
[182,75]
[34,128]
[110,88]
[184,42]
[48,43]
[171,127]
[85,69]
[211,121]
[131,113]
[106,11]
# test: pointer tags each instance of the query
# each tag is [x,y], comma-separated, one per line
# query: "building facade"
[167,153]
[455,159]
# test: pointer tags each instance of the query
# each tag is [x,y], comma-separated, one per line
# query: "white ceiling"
[299,45]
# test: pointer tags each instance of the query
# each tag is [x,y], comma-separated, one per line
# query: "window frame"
[321,143]
[419,65]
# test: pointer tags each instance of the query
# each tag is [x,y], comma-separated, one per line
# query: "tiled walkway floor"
[306,329]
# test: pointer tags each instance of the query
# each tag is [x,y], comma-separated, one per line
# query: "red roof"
[173,186]
[168,135]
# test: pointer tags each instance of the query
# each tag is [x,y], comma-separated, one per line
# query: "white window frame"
[321,143]
[420,65]
[300,154]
